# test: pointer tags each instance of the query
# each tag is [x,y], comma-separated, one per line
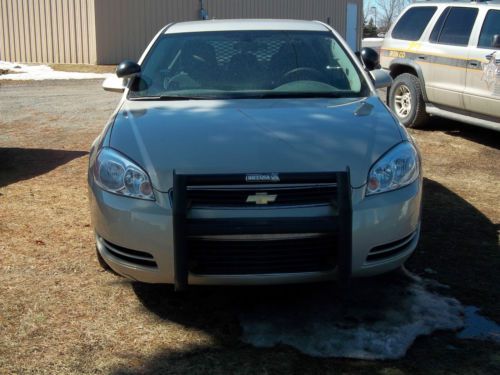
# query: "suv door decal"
[491,74]
[427,58]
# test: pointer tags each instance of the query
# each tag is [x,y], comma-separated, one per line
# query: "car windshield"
[247,64]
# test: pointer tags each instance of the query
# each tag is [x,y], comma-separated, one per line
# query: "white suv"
[445,60]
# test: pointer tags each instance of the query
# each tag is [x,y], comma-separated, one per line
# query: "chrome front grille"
[251,195]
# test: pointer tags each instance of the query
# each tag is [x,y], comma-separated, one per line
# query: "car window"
[236,64]
[454,26]
[439,26]
[491,27]
[413,23]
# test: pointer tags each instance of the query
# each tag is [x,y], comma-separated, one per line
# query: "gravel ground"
[59,313]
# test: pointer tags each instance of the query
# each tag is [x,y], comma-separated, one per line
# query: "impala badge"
[261,198]
[259,177]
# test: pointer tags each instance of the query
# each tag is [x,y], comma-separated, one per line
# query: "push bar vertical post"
[345,227]
[180,232]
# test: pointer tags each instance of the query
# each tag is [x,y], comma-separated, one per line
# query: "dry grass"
[84,68]
[59,313]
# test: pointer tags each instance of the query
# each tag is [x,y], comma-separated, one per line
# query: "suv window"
[491,27]
[412,24]
[454,26]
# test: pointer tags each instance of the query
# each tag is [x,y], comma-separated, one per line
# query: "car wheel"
[407,102]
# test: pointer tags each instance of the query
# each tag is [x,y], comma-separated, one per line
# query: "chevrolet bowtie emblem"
[261,198]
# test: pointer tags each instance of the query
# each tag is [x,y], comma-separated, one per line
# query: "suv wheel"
[407,102]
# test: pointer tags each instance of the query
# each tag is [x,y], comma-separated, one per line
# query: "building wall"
[120,35]
[48,31]
[108,31]
[125,27]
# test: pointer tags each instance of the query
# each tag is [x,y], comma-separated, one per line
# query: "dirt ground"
[60,313]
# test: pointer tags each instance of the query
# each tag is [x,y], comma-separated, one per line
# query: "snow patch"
[479,327]
[21,72]
[373,39]
[379,320]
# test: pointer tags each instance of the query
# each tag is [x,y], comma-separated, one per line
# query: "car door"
[447,54]
[482,89]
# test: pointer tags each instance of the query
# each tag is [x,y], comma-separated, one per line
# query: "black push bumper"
[338,224]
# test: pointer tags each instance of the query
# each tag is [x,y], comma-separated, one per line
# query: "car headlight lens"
[115,173]
[398,168]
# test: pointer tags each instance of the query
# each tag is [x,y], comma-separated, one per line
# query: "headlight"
[115,173]
[398,168]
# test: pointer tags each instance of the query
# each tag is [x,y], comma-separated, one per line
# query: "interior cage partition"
[339,223]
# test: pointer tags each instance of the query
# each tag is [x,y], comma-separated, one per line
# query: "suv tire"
[409,107]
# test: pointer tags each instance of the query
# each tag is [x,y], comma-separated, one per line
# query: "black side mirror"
[128,69]
[370,58]
[495,41]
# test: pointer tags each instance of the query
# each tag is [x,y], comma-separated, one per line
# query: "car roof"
[244,24]
[464,3]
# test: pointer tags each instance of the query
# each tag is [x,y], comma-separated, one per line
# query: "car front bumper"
[385,232]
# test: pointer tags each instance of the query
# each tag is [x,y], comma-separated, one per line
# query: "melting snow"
[478,327]
[379,320]
[40,72]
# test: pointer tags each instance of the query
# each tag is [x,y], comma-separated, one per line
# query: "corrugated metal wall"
[108,31]
[54,31]
[125,27]
[121,33]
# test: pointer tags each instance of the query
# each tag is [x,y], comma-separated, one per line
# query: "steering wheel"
[180,81]
[301,74]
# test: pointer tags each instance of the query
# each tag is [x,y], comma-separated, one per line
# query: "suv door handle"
[473,64]
[422,57]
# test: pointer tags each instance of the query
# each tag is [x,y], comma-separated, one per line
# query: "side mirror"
[495,41]
[114,84]
[128,69]
[381,78]
[370,58]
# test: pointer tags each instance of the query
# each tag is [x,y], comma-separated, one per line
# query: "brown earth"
[60,313]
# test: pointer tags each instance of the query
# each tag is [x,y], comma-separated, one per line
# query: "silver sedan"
[253,152]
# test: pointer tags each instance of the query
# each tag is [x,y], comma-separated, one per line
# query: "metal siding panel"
[84,32]
[66,31]
[49,29]
[22,31]
[91,25]
[15,30]
[4,39]
[29,27]
[72,31]
[60,31]
[43,31]
[58,35]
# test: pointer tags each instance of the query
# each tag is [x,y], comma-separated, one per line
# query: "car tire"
[407,101]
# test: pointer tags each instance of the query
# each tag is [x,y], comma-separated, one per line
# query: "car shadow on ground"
[17,164]
[458,247]
[486,137]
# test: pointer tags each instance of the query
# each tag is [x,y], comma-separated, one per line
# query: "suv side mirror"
[370,58]
[128,69]
[495,41]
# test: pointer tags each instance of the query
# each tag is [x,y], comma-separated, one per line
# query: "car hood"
[254,136]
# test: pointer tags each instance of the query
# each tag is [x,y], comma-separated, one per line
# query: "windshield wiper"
[297,95]
[169,97]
